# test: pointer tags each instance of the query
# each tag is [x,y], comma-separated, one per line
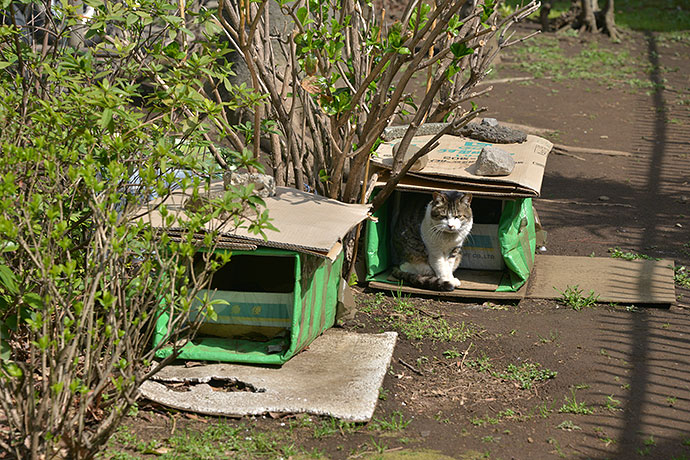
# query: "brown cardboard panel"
[460,293]
[479,284]
[454,158]
[305,222]
[614,280]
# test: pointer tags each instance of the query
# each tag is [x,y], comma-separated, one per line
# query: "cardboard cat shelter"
[499,254]
[278,294]
[499,257]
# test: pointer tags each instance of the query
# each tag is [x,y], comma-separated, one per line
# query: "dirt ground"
[628,366]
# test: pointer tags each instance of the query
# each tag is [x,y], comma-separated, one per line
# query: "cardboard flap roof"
[305,222]
[451,166]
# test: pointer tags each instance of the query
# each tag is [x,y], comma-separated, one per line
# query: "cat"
[428,237]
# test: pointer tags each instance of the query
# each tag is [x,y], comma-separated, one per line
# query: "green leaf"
[8,280]
[460,50]
[302,14]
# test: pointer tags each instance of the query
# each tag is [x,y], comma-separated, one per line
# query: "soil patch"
[537,379]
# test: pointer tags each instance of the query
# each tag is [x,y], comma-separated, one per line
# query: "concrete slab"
[338,375]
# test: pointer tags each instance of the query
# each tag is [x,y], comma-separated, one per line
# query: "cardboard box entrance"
[281,292]
[497,257]
[275,303]
[499,254]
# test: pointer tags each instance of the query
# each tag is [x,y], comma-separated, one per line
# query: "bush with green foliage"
[92,128]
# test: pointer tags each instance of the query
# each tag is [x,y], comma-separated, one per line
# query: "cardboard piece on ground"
[452,163]
[613,280]
[476,284]
[338,375]
[305,222]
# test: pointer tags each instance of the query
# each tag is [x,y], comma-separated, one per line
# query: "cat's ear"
[467,199]
[437,197]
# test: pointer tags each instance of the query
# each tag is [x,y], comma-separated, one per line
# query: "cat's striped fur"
[427,239]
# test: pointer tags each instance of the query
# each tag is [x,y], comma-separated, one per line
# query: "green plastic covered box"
[498,256]
[275,303]
[276,294]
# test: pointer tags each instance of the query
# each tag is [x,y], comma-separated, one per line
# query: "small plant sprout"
[572,406]
[612,404]
[573,298]
[568,425]
[671,400]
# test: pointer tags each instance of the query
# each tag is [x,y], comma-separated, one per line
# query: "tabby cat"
[427,239]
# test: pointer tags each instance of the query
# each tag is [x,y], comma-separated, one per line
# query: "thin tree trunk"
[609,20]
[589,21]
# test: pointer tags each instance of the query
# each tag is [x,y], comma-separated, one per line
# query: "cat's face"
[450,211]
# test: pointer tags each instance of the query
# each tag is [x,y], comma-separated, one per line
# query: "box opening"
[255,298]
[273,303]
[497,256]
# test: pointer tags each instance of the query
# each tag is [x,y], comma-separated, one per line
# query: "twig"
[410,367]
[464,355]
[622,205]
[565,154]
[571,149]
[505,80]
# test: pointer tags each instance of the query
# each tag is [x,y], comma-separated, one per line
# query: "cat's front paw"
[454,282]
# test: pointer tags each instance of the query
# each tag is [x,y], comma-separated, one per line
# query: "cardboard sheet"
[476,284]
[613,280]
[305,222]
[451,163]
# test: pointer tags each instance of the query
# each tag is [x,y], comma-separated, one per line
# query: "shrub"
[91,129]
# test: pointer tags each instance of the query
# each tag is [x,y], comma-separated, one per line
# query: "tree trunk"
[587,18]
[609,21]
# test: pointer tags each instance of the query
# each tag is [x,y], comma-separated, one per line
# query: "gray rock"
[493,161]
[490,122]
[264,185]
[496,134]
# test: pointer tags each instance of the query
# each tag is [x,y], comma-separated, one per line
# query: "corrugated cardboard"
[451,166]
[306,222]
[613,280]
[482,251]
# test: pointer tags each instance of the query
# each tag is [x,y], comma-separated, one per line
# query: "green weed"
[371,304]
[394,423]
[452,353]
[481,364]
[572,406]
[617,253]
[573,297]
[568,425]
[526,374]
[681,276]
[612,404]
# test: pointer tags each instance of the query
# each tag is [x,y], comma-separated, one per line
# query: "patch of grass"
[394,423]
[331,426]
[371,304]
[543,56]
[681,276]
[481,364]
[526,374]
[572,406]
[617,253]
[573,298]
[671,17]
[568,425]
[414,326]
[490,438]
